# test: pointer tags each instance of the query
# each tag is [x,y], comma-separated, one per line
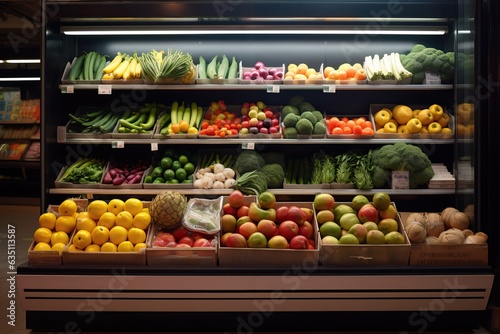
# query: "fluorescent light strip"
[257,32]
[22,61]
[21,79]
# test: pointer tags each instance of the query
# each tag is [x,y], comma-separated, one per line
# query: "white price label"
[68,89]
[104,89]
[248,146]
[118,144]
[154,147]
[273,89]
[329,89]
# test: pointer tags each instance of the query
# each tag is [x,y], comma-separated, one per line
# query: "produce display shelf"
[219,192]
[34,164]
[330,88]
[19,122]
[222,141]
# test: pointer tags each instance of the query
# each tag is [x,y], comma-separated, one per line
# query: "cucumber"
[77,68]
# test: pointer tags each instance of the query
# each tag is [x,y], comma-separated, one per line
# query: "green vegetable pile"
[301,118]
[422,59]
[84,171]
[400,157]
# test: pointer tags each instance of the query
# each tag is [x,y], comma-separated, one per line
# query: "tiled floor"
[24,219]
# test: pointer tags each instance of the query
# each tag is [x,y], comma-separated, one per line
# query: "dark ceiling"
[20,33]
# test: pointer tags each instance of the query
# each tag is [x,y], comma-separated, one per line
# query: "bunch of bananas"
[123,66]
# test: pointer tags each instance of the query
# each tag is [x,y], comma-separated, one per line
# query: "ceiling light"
[21,79]
[22,61]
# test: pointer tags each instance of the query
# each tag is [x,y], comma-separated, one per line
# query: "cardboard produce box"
[447,255]
[269,257]
[363,255]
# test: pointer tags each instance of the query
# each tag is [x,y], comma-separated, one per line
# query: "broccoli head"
[304,127]
[380,177]
[418,48]
[421,177]
[248,161]
[274,174]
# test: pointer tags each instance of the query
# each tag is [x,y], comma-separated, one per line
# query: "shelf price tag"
[154,147]
[67,89]
[118,144]
[329,89]
[273,89]
[248,146]
[104,89]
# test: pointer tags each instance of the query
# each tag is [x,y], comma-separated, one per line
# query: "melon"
[167,209]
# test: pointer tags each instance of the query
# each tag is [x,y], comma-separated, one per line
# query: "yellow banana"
[120,70]
[128,73]
[113,64]
[138,70]
[132,66]
[107,76]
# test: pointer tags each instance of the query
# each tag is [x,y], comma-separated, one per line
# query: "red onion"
[263,72]
[278,74]
[269,77]
[272,70]
[259,65]
[254,75]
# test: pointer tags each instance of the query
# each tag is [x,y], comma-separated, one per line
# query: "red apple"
[281,214]
[242,211]
[223,239]
[264,131]
[236,199]
[180,233]
[311,243]
[188,240]
[288,229]
[299,242]
[246,229]
[275,122]
[267,227]
[306,229]
[296,214]
[269,113]
[236,240]
[202,242]
[159,242]
[274,129]
[309,214]
[368,213]
[229,210]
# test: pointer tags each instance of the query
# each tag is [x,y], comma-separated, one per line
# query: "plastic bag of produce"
[203,215]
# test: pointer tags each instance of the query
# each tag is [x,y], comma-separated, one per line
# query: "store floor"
[24,219]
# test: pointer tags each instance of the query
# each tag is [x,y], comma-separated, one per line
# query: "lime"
[176,165]
[180,174]
[166,162]
[183,159]
[148,179]
[188,181]
[159,180]
[190,177]
[173,181]
[189,167]
[157,171]
[169,174]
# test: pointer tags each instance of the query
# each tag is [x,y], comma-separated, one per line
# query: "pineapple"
[167,209]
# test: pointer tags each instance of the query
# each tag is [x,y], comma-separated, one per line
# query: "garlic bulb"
[416,232]
[434,225]
[431,240]
[452,236]
[478,238]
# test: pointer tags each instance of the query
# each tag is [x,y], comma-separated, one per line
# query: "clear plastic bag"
[203,215]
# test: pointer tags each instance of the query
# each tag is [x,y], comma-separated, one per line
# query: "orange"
[183,126]
[42,234]
[133,205]
[310,72]
[67,207]
[96,209]
[302,68]
[42,246]
[327,70]
[175,128]
[342,75]
[351,72]
[65,223]
[347,130]
[337,131]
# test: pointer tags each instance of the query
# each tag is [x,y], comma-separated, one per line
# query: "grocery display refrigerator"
[455,293]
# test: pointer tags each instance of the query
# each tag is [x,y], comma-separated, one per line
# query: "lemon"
[58,246]
[136,235]
[82,239]
[42,234]
[139,246]
[100,235]
[124,219]
[109,247]
[133,205]
[65,223]
[97,208]
[72,248]
[67,208]
[118,234]
[142,220]
[93,248]
[108,220]
[125,246]
[84,222]
[116,206]
[59,237]
[42,246]
[47,220]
